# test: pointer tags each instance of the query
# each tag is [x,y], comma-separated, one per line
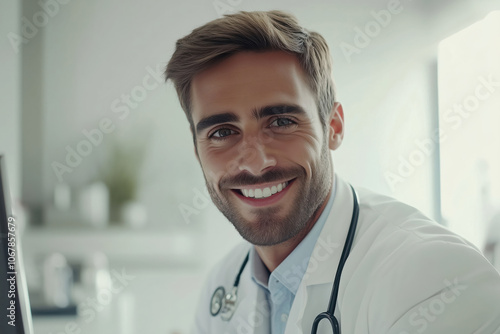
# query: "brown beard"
[269,228]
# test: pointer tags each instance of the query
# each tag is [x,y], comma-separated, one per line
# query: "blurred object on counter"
[57,281]
[94,204]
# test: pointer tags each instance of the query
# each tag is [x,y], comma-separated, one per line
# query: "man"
[257,90]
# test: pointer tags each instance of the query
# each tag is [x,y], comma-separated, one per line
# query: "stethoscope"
[225,304]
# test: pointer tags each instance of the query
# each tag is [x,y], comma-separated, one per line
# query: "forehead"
[249,80]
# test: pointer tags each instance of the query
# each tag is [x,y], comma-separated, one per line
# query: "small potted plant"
[121,174]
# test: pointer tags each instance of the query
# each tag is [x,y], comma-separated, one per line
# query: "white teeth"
[265,192]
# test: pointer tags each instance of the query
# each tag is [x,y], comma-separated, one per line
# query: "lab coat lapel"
[314,291]
[252,315]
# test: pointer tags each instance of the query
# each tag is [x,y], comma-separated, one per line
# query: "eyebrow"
[214,120]
[258,113]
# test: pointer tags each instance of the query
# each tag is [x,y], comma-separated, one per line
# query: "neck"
[272,256]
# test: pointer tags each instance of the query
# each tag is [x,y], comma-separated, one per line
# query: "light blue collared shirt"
[282,284]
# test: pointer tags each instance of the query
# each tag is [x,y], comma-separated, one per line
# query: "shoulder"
[418,271]
[394,232]
[384,206]
[385,218]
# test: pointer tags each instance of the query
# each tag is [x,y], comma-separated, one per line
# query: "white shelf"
[124,246]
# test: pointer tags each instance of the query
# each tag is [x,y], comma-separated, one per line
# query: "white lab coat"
[405,274]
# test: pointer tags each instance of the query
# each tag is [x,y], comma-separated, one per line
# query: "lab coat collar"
[323,263]
[330,243]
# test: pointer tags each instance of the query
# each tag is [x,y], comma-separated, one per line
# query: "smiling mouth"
[263,192]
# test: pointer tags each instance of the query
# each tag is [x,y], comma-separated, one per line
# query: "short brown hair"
[252,31]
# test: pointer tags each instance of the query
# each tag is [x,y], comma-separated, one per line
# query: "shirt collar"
[291,271]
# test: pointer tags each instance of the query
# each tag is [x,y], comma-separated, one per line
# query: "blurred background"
[118,230]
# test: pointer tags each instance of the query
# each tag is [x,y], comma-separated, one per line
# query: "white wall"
[94,52]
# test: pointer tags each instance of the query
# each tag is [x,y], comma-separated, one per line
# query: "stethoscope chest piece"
[223,304]
[217,301]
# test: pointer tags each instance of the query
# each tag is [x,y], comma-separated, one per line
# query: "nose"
[255,157]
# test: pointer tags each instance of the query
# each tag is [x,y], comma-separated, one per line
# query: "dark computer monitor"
[15,315]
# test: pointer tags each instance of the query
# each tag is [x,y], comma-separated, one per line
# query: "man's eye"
[282,122]
[221,133]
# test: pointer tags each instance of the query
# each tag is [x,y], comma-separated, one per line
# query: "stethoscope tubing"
[329,314]
[345,253]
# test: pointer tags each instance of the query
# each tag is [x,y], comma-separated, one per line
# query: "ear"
[336,126]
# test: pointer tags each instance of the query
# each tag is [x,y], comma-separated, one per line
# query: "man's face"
[261,145]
